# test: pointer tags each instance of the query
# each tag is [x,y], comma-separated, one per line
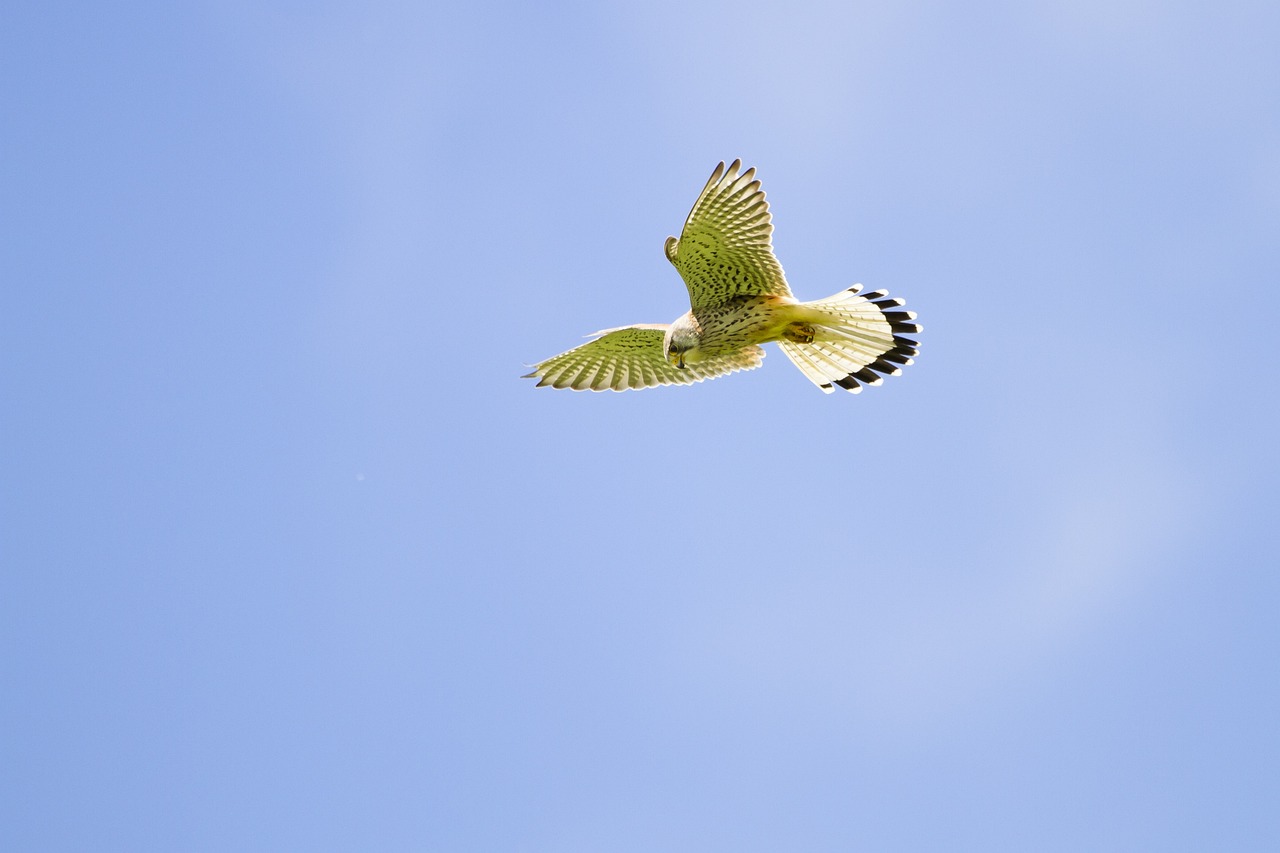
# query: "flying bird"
[739,299]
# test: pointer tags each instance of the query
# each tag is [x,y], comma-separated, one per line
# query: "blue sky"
[292,559]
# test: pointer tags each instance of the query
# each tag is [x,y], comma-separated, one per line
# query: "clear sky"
[293,560]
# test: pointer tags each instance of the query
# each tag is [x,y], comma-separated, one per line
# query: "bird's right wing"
[726,247]
[632,357]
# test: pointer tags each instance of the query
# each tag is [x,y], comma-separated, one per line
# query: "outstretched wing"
[726,247]
[632,357]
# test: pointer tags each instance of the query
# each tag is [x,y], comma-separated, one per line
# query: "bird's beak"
[680,361]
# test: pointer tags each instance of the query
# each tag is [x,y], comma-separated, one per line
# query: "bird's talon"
[799,333]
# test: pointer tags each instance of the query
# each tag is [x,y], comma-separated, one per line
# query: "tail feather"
[857,340]
[802,356]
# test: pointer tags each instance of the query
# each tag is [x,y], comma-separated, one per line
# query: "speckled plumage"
[739,299]
[631,357]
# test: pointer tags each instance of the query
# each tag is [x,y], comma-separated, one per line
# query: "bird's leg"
[799,333]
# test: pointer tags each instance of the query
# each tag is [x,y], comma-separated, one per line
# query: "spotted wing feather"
[726,247]
[632,357]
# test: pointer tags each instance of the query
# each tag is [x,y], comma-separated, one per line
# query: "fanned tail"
[857,340]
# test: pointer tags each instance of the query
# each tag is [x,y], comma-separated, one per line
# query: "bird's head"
[680,344]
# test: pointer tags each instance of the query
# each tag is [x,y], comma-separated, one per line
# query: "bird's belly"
[750,321]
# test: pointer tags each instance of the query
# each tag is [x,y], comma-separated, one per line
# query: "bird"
[740,299]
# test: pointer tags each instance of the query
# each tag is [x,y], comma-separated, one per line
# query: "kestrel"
[739,299]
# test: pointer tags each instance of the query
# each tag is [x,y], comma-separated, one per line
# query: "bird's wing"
[726,248]
[632,357]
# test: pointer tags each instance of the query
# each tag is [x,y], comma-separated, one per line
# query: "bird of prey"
[739,299]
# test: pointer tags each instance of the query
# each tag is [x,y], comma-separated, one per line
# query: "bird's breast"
[743,321]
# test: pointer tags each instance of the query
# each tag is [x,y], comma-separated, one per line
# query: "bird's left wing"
[726,247]
[632,357]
